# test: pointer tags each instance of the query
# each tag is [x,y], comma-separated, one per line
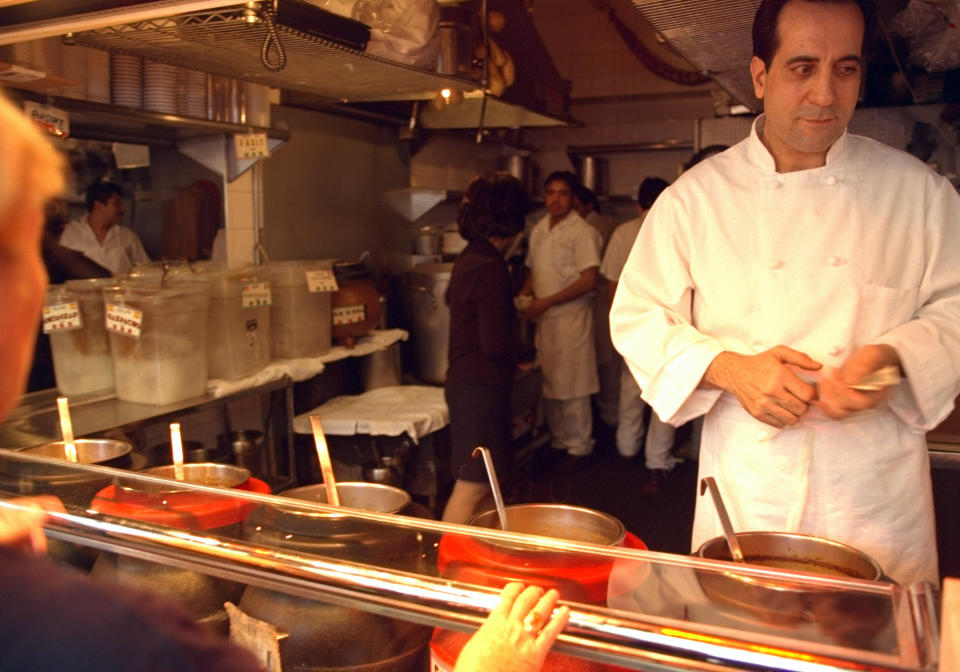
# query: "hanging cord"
[272,38]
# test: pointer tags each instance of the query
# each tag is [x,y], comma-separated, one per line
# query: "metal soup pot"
[561,521]
[783,602]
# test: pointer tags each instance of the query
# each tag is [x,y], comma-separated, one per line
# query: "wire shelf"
[223,43]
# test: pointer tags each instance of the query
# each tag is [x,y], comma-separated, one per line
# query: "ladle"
[494,484]
[326,466]
[735,552]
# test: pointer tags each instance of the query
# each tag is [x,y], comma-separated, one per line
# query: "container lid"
[174,297]
[293,273]
[227,282]
[56,294]
[93,287]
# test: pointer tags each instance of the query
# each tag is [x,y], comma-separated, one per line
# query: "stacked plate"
[125,80]
[160,87]
[194,103]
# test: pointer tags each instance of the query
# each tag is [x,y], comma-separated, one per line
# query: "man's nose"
[823,89]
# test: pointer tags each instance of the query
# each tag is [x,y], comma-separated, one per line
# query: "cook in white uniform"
[563,257]
[630,429]
[832,244]
[100,236]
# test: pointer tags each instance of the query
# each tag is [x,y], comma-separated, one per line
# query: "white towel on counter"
[417,410]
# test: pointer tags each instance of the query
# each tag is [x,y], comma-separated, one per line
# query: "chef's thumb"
[795,358]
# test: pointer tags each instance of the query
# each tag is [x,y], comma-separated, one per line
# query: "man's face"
[810,90]
[558,198]
[112,210]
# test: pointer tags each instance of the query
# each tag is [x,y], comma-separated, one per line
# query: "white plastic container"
[73,318]
[300,314]
[158,339]
[239,323]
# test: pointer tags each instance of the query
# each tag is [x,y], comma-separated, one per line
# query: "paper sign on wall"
[123,320]
[53,120]
[61,317]
[255,294]
[322,280]
[251,145]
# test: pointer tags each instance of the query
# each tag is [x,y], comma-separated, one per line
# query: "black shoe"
[572,463]
[655,481]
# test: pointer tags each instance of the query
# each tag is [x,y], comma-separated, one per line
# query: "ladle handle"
[494,484]
[732,542]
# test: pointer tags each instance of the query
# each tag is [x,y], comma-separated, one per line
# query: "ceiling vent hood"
[714,35]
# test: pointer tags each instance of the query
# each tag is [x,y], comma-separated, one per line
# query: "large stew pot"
[326,637]
[850,617]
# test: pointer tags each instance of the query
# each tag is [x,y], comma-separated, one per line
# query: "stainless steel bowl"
[106,452]
[356,495]
[561,521]
[202,473]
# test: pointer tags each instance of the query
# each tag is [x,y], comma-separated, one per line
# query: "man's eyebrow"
[801,58]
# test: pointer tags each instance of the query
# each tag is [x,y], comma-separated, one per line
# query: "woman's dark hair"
[493,207]
[766,41]
[649,190]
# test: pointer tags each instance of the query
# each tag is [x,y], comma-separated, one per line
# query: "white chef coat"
[120,251]
[564,340]
[621,242]
[735,256]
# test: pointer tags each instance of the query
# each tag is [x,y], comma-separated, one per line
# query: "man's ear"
[758,73]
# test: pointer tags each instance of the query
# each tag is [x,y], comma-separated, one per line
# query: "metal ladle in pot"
[735,552]
[494,484]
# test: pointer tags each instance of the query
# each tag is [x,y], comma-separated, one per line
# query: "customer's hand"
[517,634]
[21,522]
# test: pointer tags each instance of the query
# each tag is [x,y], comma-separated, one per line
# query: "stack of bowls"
[125,80]
[160,87]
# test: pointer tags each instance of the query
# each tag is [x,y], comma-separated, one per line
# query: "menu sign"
[53,120]
[322,280]
[61,317]
[123,320]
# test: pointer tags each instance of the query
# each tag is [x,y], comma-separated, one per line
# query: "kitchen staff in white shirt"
[630,430]
[770,278]
[100,235]
[563,257]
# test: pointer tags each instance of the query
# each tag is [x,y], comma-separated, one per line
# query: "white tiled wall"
[242,214]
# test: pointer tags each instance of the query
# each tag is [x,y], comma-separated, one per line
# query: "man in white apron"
[564,256]
[771,278]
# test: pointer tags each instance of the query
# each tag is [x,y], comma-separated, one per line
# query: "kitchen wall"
[321,189]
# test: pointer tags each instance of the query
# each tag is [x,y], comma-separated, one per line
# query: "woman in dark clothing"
[482,357]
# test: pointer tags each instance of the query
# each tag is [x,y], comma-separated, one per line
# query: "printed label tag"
[251,145]
[123,320]
[254,294]
[257,636]
[322,280]
[61,317]
[349,314]
[53,120]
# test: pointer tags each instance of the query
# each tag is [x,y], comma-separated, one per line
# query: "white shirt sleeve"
[651,321]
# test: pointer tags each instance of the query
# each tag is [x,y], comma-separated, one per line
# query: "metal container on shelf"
[431,320]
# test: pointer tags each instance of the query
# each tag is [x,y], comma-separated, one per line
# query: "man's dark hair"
[585,195]
[493,207]
[563,176]
[766,41]
[704,153]
[649,190]
[100,192]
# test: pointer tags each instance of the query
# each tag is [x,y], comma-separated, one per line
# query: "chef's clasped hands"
[769,385]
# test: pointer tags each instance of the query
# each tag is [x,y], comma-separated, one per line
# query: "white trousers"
[571,424]
[630,430]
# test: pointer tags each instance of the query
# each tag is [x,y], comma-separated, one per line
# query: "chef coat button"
[836,351]
[777,264]
[836,261]
[832,180]
[774,184]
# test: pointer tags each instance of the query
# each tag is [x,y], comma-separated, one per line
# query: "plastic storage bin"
[158,338]
[300,315]
[73,318]
[239,323]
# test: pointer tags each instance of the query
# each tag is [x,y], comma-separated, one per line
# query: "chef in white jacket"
[770,278]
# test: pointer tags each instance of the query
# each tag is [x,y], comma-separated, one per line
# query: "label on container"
[61,317]
[349,314]
[255,294]
[322,280]
[251,145]
[123,320]
[255,635]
